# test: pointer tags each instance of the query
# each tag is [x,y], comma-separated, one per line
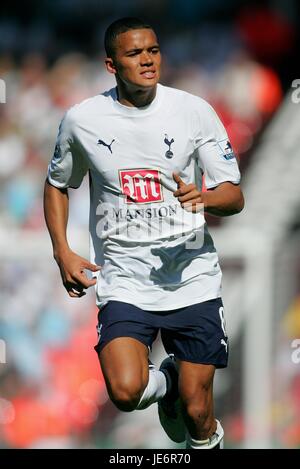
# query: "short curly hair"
[121,26]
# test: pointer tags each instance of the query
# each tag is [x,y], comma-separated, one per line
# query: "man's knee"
[126,395]
[199,413]
[198,409]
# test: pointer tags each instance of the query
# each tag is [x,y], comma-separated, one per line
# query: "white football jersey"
[154,253]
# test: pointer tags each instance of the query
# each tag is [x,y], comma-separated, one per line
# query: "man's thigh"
[124,364]
[125,336]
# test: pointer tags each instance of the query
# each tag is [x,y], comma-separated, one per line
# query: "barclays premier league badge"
[226,150]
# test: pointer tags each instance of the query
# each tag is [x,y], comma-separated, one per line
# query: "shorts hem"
[99,347]
[199,361]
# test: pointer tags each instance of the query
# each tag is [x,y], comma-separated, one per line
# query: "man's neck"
[135,98]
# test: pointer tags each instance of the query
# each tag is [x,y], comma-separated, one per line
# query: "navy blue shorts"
[193,333]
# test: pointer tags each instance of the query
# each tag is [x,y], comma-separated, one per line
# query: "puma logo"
[168,142]
[101,142]
[224,343]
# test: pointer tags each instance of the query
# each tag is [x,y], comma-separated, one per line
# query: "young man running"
[146,148]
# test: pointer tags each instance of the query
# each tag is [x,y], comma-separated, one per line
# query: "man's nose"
[146,59]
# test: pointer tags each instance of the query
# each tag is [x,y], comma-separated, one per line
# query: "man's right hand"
[72,269]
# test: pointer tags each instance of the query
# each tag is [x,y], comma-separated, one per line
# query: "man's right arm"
[72,267]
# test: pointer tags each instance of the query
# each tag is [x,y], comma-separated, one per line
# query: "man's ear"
[110,67]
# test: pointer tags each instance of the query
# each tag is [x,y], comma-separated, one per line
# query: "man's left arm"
[217,161]
[224,200]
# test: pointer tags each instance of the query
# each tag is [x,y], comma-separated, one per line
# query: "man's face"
[137,58]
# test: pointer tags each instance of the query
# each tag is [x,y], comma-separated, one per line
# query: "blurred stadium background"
[242,57]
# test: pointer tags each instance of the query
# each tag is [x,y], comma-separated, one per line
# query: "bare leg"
[196,391]
[124,363]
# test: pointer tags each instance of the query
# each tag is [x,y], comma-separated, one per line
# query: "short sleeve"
[68,164]
[214,152]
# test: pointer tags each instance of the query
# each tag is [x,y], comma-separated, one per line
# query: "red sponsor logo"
[141,186]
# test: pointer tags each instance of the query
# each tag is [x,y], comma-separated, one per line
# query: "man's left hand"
[189,196]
